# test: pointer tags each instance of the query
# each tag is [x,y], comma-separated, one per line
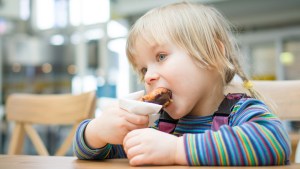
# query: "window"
[263,61]
[290,59]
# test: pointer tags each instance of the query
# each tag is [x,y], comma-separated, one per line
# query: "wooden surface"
[283,95]
[46,109]
[61,162]
[50,109]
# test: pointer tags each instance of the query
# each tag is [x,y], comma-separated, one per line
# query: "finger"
[130,142]
[137,119]
[132,134]
[139,160]
[130,126]
[134,150]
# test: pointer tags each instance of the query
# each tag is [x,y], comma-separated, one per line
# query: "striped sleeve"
[83,151]
[253,137]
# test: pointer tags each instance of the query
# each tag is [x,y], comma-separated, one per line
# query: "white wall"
[10,8]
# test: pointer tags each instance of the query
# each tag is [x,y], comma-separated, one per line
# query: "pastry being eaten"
[161,96]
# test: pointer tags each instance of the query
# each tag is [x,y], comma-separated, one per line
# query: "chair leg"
[17,140]
[67,143]
[36,140]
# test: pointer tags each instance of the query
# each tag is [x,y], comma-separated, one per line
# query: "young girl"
[187,48]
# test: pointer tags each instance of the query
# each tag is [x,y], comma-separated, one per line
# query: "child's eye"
[144,71]
[161,56]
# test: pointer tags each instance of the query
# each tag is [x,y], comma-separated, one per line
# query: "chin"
[175,117]
[174,114]
[175,111]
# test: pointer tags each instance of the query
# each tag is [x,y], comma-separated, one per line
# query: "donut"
[161,96]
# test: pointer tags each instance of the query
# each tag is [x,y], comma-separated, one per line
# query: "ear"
[221,46]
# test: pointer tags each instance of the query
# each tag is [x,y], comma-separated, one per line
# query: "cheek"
[184,77]
[186,82]
[176,70]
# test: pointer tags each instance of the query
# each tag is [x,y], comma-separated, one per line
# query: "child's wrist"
[180,157]
[91,137]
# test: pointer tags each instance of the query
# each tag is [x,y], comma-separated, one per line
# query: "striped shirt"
[253,136]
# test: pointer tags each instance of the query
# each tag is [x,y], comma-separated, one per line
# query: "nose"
[151,77]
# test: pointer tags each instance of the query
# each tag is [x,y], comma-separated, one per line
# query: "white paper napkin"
[132,104]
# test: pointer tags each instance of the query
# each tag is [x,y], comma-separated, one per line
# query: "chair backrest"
[49,109]
[283,95]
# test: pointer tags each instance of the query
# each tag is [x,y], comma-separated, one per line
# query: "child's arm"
[95,138]
[83,151]
[254,137]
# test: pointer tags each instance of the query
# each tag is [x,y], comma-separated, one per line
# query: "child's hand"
[150,146]
[112,126]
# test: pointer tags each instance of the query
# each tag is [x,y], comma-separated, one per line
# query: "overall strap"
[221,116]
[166,123]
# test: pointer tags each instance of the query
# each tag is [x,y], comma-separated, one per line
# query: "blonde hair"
[198,29]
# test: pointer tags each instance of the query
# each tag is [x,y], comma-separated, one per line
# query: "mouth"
[161,96]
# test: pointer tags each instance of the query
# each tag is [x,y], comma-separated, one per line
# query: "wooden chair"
[284,95]
[50,109]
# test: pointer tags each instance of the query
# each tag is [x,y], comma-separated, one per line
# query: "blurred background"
[72,46]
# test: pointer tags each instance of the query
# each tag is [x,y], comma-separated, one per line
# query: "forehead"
[142,49]
[151,40]
[145,49]
[148,35]
[147,44]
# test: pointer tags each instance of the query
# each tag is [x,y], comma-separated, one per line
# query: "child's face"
[170,67]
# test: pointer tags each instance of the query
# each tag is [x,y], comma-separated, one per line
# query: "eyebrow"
[154,46]
[157,46]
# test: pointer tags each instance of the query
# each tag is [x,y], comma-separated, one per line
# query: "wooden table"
[58,162]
